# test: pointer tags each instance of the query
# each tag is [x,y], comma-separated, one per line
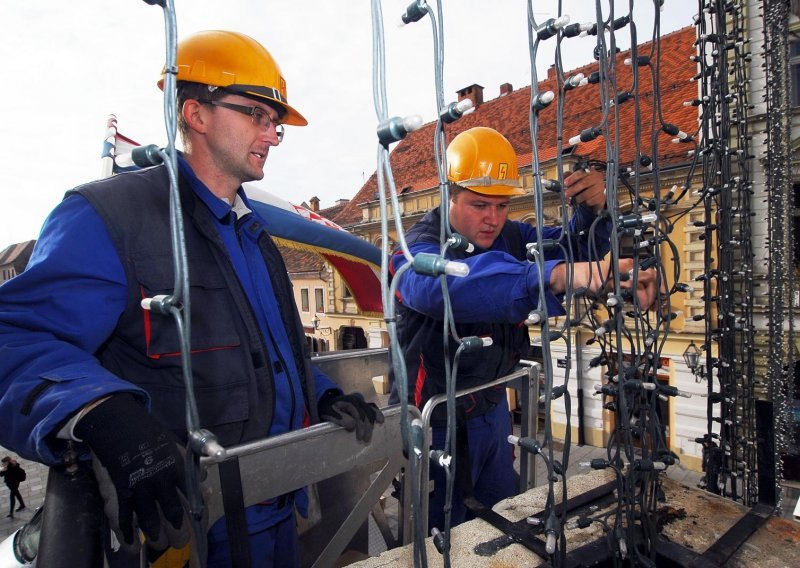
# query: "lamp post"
[692,359]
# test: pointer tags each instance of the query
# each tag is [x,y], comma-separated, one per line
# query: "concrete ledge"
[693,519]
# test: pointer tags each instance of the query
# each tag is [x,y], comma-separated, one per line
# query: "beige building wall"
[330,314]
[312,294]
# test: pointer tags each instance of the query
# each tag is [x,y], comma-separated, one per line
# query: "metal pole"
[529,426]
[427,413]
[72,527]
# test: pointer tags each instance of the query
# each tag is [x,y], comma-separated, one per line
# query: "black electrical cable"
[727,270]
[631,340]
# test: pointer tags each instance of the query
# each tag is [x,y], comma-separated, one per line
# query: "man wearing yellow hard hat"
[493,300]
[88,364]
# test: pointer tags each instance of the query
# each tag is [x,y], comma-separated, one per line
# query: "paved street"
[32,490]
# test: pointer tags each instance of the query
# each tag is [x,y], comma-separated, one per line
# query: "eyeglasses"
[258,114]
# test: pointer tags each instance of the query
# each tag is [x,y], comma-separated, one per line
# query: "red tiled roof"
[301,261]
[17,255]
[333,211]
[413,162]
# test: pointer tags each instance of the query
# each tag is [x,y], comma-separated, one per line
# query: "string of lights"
[781,351]
[635,400]
[712,198]
[729,444]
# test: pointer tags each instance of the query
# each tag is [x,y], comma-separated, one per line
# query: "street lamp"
[691,356]
[692,359]
[326,330]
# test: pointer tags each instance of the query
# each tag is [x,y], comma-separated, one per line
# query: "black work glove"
[139,471]
[351,412]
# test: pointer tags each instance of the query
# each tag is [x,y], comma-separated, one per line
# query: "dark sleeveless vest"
[421,338]
[234,384]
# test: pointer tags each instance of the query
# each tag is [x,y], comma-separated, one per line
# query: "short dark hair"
[189,90]
[455,190]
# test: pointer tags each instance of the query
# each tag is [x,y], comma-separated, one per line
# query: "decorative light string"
[714,199]
[729,456]
[782,350]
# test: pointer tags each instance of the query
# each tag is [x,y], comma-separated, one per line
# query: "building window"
[304,299]
[319,300]
[346,293]
[794,72]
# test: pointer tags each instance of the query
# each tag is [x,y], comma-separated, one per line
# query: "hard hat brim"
[291,116]
[490,186]
[495,190]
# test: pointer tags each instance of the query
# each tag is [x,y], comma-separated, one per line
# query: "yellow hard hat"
[236,62]
[482,160]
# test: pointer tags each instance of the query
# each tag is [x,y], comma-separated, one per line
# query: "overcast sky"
[68,65]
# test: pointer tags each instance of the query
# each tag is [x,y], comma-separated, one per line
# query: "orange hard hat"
[483,160]
[239,64]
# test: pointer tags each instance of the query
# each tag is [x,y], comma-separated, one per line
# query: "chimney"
[341,202]
[474,93]
[551,72]
[505,89]
[314,204]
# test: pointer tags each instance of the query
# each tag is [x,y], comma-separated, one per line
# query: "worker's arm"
[499,288]
[53,317]
[597,277]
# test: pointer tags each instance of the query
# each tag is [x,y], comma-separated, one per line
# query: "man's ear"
[194,114]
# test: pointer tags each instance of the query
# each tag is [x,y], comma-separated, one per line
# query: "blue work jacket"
[64,321]
[493,300]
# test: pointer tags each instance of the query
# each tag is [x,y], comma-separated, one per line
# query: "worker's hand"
[351,412]
[139,471]
[598,279]
[646,283]
[588,188]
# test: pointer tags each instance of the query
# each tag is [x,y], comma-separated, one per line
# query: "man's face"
[238,145]
[478,217]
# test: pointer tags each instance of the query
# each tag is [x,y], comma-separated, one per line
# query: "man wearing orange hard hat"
[108,378]
[494,300]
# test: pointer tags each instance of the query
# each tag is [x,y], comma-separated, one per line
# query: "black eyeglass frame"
[253,112]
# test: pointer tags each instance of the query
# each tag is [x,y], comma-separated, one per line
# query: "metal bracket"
[530,374]
[308,456]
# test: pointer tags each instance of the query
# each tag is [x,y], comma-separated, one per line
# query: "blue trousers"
[274,547]
[492,466]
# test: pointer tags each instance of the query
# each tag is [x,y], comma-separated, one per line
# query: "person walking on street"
[83,363]
[13,474]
